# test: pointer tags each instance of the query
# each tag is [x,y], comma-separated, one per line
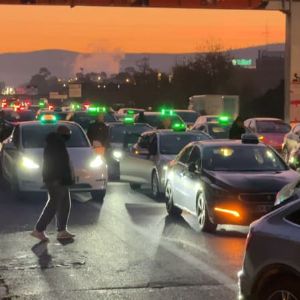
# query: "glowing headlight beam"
[97,162]
[27,163]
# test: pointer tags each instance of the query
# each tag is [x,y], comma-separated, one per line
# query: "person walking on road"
[58,176]
[98,132]
[237,129]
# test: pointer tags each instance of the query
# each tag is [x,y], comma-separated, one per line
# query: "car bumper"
[247,212]
[244,292]
[88,183]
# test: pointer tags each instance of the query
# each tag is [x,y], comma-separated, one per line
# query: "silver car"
[148,159]
[271,269]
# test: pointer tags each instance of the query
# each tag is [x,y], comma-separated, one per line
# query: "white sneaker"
[40,235]
[65,235]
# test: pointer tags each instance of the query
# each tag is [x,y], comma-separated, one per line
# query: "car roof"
[28,123]
[226,142]
[185,110]
[170,131]
[265,119]
[112,124]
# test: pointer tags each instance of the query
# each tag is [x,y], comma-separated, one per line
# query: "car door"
[138,161]
[179,170]
[190,180]
[10,154]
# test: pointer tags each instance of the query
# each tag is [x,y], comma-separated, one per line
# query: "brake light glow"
[233,213]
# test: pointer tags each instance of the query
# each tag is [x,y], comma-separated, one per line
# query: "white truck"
[215,104]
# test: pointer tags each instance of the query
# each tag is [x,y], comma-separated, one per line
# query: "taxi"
[226,181]
[22,159]
[148,159]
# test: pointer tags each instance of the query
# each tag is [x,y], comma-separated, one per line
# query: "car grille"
[268,197]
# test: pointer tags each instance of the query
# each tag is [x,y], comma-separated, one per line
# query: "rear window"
[272,127]
[127,134]
[85,119]
[156,120]
[172,144]
[34,136]
[218,132]
[22,116]
[188,116]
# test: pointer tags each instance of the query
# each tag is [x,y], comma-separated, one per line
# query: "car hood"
[80,157]
[252,182]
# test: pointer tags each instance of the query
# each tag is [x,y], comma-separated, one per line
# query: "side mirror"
[192,167]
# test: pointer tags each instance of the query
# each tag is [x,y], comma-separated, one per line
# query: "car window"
[144,141]
[242,158]
[272,127]
[188,116]
[218,132]
[184,155]
[34,136]
[171,144]
[195,155]
[127,134]
[294,217]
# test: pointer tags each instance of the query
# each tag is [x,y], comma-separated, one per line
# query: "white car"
[22,159]
[271,269]
[147,161]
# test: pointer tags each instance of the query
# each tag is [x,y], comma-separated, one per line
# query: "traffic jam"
[214,167]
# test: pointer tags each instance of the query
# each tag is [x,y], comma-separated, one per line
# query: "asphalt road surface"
[127,248]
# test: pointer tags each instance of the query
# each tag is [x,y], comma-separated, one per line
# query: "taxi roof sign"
[48,118]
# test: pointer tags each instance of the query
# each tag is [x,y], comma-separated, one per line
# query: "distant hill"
[17,68]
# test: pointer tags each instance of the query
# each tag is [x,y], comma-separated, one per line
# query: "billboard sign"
[75,90]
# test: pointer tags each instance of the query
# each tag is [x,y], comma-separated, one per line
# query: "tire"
[202,215]
[280,289]
[135,186]
[98,196]
[156,193]
[285,155]
[172,210]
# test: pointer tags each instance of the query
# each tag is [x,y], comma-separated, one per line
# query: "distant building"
[269,70]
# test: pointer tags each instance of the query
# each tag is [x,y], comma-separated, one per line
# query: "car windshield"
[22,116]
[242,158]
[127,134]
[218,132]
[156,120]
[272,127]
[172,144]
[188,116]
[34,136]
[84,119]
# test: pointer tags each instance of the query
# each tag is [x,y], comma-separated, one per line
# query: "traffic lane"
[126,247]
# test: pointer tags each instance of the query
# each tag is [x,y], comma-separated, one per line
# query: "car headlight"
[117,154]
[285,193]
[97,162]
[28,163]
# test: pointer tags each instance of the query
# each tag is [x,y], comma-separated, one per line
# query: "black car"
[226,182]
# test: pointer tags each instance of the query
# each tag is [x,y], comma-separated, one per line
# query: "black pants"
[58,204]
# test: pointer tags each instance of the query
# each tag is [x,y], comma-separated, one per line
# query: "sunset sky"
[87,29]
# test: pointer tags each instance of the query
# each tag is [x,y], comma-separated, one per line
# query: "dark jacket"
[236,131]
[57,165]
[98,131]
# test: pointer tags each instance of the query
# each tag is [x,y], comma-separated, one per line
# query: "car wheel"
[98,196]
[202,215]
[282,288]
[135,186]
[172,210]
[285,155]
[155,187]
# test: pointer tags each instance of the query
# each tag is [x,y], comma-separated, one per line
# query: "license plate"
[263,208]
